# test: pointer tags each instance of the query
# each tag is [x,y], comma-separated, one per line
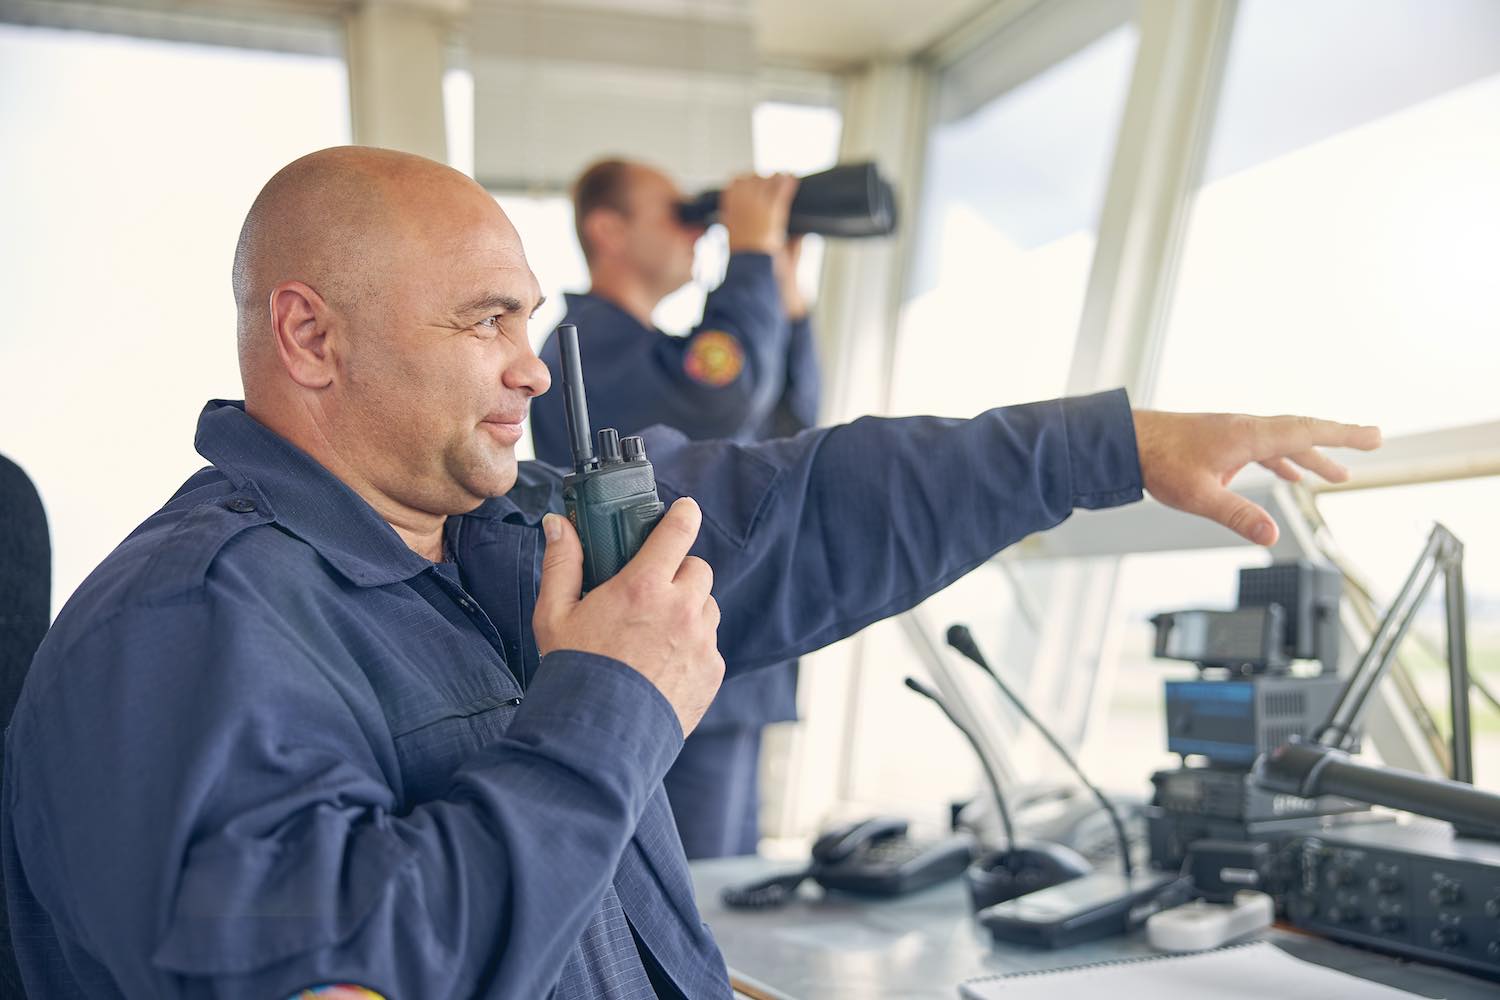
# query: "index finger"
[1289,435]
[668,544]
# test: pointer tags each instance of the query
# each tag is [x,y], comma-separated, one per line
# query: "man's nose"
[528,374]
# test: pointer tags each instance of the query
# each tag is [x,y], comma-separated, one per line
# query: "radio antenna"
[575,406]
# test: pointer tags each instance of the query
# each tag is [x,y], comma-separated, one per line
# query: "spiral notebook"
[1249,971]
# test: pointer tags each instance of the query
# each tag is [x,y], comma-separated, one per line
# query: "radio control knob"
[1492,908]
[609,446]
[1493,949]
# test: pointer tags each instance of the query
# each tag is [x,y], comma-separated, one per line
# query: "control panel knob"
[1385,884]
[1341,875]
[1447,937]
[1492,908]
[1386,923]
[1493,949]
[1446,893]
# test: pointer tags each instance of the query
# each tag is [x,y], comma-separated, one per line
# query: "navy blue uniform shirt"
[266,745]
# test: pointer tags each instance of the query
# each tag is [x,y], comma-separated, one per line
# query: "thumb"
[562,568]
[1243,517]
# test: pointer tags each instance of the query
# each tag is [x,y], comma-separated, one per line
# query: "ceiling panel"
[851,31]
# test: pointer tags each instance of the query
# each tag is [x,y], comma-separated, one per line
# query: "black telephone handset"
[840,844]
[872,857]
[875,857]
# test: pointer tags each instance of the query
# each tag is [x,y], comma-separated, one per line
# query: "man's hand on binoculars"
[754,210]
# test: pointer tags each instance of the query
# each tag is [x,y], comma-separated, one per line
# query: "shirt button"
[240,505]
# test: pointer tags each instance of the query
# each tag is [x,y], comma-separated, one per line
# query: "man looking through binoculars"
[746,372]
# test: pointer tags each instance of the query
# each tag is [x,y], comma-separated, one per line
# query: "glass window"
[1007,229]
[128,169]
[1340,253]
[1339,259]
[1381,533]
[458,119]
[1006,236]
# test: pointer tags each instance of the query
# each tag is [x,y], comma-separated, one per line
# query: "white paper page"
[1251,972]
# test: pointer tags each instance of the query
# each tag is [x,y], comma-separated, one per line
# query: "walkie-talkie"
[611,499]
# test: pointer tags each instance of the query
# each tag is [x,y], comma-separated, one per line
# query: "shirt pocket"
[432,744]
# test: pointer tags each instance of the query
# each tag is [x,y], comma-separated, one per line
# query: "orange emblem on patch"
[714,358]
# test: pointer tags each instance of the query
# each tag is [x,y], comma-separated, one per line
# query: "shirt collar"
[312,503]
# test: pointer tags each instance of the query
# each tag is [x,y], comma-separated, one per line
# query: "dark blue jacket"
[266,745]
[639,376]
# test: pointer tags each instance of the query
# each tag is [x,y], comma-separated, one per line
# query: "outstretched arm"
[814,537]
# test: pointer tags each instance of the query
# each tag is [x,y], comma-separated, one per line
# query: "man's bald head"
[383,308]
[340,220]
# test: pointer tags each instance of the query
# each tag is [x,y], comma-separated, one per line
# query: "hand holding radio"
[656,615]
[617,579]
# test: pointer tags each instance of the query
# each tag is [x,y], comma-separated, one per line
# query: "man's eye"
[492,322]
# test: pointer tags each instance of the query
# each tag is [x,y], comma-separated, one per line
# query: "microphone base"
[1003,875]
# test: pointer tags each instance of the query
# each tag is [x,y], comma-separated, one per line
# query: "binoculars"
[850,201]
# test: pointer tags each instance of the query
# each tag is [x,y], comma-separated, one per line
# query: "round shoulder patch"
[714,358]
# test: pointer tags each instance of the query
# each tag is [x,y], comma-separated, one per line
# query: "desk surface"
[920,947]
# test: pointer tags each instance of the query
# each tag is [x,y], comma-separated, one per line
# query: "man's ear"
[605,229]
[300,322]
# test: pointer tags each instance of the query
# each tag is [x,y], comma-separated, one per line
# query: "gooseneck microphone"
[960,639]
[989,773]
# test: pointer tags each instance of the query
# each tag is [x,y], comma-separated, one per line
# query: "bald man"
[336,717]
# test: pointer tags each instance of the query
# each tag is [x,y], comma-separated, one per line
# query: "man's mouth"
[504,427]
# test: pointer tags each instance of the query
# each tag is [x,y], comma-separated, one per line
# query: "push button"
[240,505]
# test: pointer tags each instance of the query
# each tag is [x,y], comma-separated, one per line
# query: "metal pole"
[1335,732]
[1458,663]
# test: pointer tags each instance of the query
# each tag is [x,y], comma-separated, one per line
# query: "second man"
[746,372]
